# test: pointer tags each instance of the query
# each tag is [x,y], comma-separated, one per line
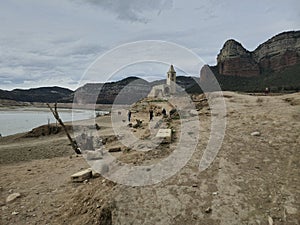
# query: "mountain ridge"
[275,63]
[135,89]
[274,55]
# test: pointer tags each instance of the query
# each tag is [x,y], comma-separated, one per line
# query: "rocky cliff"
[274,55]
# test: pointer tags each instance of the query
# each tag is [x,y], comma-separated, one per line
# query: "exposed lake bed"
[251,179]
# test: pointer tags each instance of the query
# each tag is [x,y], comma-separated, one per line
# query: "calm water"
[22,120]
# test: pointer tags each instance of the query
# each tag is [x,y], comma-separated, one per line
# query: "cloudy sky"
[54,42]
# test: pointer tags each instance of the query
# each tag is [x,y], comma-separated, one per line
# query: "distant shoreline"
[11,105]
[23,119]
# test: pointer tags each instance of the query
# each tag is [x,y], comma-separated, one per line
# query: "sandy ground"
[253,179]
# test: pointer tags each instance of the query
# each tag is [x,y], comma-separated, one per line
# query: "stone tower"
[171,80]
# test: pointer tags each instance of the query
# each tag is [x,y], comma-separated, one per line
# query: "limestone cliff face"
[278,53]
[234,59]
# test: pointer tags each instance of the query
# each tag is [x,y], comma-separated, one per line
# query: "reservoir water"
[25,119]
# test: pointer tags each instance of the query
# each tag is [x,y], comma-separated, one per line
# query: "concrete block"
[82,175]
[94,155]
[165,135]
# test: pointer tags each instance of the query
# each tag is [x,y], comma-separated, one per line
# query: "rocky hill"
[42,94]
[126,91]
[276,54]
[274,64]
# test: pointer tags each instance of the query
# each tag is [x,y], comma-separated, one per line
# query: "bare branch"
[56,116]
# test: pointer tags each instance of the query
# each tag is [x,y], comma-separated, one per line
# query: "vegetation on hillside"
[284,81]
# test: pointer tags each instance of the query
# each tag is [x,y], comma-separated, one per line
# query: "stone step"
[82,175]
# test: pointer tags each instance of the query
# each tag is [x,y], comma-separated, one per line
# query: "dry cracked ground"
[254,179]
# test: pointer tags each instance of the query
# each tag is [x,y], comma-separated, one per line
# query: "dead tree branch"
[56,116]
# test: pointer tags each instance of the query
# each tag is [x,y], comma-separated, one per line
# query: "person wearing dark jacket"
[129,115]
[151,114]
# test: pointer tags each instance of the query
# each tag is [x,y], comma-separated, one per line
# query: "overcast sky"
[53,42]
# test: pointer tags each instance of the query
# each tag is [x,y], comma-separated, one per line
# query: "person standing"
[151,114]
[164,112]
[267,91]
[129,115]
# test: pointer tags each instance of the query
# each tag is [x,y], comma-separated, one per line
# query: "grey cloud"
[75,48]
[132,10]
[20,64]
[43,42]
[209,9]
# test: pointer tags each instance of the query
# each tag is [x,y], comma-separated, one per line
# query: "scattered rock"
[13,197]
[14,213]
[208,210]
[108,139]
[255,133]
[194,112]
[105,217]
[86,181]
[146,134]
[158,114]
[82,175]
[95,174]
[174,114]
[138,124]
[116,149]
[97,126]
[173,111]
[270,220]
[158,123]
[291,210]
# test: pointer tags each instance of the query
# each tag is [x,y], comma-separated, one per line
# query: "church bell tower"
[171,80]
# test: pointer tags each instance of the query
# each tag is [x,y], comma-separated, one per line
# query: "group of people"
[151,114]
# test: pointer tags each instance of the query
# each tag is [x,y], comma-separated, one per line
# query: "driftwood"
[56,116]
[200,100]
